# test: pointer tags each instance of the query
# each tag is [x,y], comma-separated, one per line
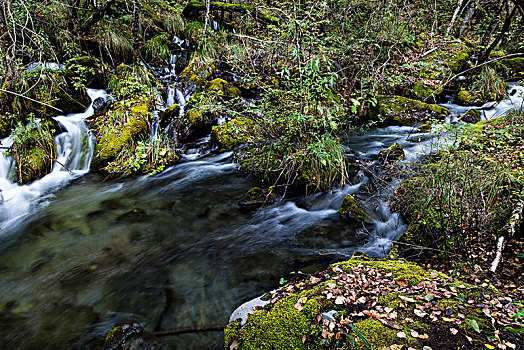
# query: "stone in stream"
[352,210]
[257,198]
[392,153]
[130,336]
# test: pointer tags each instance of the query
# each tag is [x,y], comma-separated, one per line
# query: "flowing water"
[79,255]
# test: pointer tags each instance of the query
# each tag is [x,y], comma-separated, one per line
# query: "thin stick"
[30,99]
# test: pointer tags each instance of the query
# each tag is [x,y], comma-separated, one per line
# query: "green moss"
[469,98]
[351,209]
[120,128]
[380,336]
[34,151]
[257,197]
[5,126]
[195,6]
[233,133]
[198,71]
[404,111]
[281,327]
[472,116]
[392,153]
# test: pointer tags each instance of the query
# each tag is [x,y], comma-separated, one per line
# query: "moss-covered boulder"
[5,126]
[350,209]
[398,110]
[119,129]
[471,116]
[34,150]
[223,87]
[470,98]
[198,71]
[233,133]
[392,153]
[363,304]
[86,71]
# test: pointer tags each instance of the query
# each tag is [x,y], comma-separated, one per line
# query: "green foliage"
[490,85]
[132,83]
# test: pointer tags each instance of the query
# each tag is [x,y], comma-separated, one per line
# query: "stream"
[79,255]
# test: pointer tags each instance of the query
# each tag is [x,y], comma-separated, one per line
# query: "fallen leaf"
[419,313]
[362,300]
[454,331]
[423,336]
[402,283]
[303,339]
[489,346]
[388,309]
[396,347]
[340,300]
[475,326]
[401,335]
[410,300]
[414,334]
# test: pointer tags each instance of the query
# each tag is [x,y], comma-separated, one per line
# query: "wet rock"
[392,153]
[102,104]
[257,198]
[130,336]
[136,215]
[223,87]
[471,116]
[352,210]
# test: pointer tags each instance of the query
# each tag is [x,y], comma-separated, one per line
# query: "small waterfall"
[492,110]
[75,150]
[170,96]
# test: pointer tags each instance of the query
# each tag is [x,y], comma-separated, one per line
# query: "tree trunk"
[503,31]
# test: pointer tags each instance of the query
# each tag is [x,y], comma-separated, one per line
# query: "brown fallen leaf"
[423,336]
[414,334]
[340,300]
[401,335]
[389,324]
[408,299]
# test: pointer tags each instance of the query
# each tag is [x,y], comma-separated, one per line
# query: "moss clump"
[222,87]
[198,71]
[469,98]
[392,153]
[233,133]
[86,71]
[351,209]
[281,327]
[5,126]
[34,151]
[120,128]
[404,111]
[471,116]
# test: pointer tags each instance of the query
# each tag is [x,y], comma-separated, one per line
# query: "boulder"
[398,110]
[233,133]
[352,210]
[392,153]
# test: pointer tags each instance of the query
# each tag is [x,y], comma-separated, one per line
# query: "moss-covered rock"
[198,71]
[471,116]
[86,71]
[398,110]
[34,151]
[233,133]
[119,128]
[392,153]
[223,87]
[470,98]
[351,209]
[130,336]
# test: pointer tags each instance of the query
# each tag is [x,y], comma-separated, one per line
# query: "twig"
[30,99]
[500,246]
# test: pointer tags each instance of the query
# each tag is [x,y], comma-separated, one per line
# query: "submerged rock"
[130,336]
[257,197]
[352,210]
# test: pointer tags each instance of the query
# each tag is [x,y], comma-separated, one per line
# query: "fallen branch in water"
[196,329]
